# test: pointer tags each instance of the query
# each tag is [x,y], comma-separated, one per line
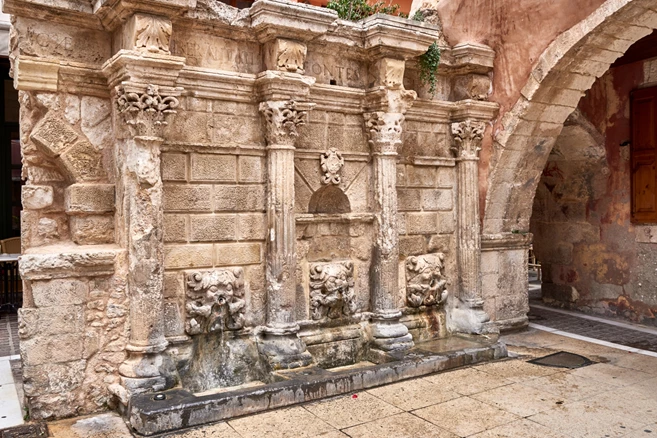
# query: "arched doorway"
[566,70]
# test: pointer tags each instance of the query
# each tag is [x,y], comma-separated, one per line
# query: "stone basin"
[181,409]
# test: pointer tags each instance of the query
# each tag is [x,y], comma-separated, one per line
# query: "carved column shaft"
[145,114]
[281,246]
[467,313]
[280,343]
[468,136]
[385,138]
[386,260]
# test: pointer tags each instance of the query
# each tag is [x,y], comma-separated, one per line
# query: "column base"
[146,372]
[389,334]
[282,348]
[468,316]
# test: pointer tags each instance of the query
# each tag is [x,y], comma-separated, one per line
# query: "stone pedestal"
[466,313]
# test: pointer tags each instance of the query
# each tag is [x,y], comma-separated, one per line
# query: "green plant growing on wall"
[418,16]
[355,10]
[428,65]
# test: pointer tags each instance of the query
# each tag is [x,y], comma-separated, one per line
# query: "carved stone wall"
[211,190]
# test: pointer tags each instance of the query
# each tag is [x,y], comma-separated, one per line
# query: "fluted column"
[466,314]
[388,102]
[385,138]
[279,342]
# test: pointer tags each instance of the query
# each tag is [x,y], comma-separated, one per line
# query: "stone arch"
[563,73]
[329,200]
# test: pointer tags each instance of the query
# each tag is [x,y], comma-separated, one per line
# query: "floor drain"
[562,359]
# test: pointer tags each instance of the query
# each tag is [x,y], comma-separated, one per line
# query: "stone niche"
[215,195]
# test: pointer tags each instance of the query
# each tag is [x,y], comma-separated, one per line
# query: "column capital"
[283,118]
[468,135]
[384,130]
[146,111]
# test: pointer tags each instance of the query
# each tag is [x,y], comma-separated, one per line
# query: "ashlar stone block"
[59,292]
[37,197]
[89,198]
[53,135]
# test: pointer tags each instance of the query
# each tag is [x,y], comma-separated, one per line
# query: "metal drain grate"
[562,359]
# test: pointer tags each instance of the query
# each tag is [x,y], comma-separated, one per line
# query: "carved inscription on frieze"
[328,69]
[425,280]
[53,40]
[332,289]
[215,301]
[211,51]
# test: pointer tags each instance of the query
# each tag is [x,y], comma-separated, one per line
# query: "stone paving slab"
[8,334]
[594,329]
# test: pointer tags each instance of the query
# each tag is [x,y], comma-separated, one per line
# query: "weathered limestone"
[280,342]
[215,196]
[389,103]
[466,311]
[143,112]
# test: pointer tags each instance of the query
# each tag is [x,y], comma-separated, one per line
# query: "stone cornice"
[63,261]
[474,110]
[501,241]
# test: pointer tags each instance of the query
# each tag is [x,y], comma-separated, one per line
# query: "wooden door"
[644,155]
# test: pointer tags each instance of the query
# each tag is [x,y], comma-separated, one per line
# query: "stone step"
[148,414]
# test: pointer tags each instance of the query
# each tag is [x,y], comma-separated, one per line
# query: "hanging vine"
[428,65]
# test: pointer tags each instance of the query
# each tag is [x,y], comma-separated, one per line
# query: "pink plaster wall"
[581,217]
[519,31]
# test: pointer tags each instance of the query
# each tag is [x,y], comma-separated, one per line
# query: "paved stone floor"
[615,397]
[8,334]
[601,329]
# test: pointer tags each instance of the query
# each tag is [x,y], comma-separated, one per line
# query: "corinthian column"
[389,100]
[466,314]
[279,342]
[145,112]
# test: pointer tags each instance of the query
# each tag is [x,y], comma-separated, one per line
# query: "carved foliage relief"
[425,280]
[215,301]
[152,34]
[146,112]
[283,120]
[467,136]
[332,289]
[331,162]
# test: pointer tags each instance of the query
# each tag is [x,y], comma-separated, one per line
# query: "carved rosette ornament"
[283,119]
[152,34]
[468,135]
[332,289]
[146,113]
[215,301]
[331,162]
[425,280]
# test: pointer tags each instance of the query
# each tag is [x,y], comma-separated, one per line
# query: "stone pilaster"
[279,342]
[142,78]
[466,314]
[384,125]
[144,113]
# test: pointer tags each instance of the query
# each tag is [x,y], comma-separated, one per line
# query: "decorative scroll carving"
[468,135]
[331,162]
[215,301]
[425,280]
[147,113]
[283,119]
[152,33]
[332,289]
